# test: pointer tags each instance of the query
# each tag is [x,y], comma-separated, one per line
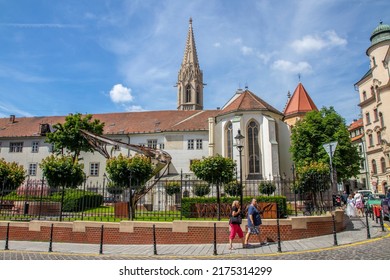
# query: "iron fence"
[191,199]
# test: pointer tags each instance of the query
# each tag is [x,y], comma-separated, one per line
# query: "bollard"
[51,239]
[278,226]
[215,240]
[368,226]
[154,240]
[381,219]
[334,231]
[7,238]
[101,239]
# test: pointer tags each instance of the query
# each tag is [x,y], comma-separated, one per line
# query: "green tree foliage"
[267,187]
[62,171]
[233,188]
[67,136]
[12,176]
[201,189]
[172,188]
[318,128]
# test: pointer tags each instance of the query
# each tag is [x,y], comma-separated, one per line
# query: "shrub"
[201,189]
[78,200]
[233,188]
[172,188]
[267,187]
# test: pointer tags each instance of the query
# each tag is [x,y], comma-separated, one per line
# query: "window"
[161,146]
[197,95]
[190,144]
[381,120]
[253,148]
[379,137]
[370,140]
[152,143]
[378,96]
[383,165]
[16,147]
[362,164]
[35,147]
[368,121]
[199,144]
[374,170]
[32,169]
[376,118]
[229,140]
[188,93]
[94,169]
[372,91]
[364,95]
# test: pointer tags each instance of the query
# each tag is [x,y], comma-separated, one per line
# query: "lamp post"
[240,145]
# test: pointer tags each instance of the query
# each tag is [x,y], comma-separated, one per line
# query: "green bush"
[267,187]
[172,188]
[78,200]
[201,189]
[233,189]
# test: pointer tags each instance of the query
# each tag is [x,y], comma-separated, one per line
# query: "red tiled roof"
[248,101]
[117,123]
[356,124]
[300,102]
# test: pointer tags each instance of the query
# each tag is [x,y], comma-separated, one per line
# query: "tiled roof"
[118,123]
[247,101]
[300,102]
[356,124]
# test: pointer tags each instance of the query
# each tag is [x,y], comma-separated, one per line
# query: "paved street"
[353,244]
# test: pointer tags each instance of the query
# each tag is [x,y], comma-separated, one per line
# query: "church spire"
[190,78]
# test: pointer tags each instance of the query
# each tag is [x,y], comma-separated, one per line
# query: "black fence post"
[215,240]
[278,227]
[51,239]
[7,238]
[334,231]
[154,240]
[367,225]
[101,239]
[381,220]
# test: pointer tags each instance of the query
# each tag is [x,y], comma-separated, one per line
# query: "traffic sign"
[330,148]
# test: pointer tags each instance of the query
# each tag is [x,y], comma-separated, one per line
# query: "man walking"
[254,222]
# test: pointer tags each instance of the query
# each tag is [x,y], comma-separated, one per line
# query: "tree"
[267,187]
[215,170]
[12,176]
[131,173]
[309,155]
[172,188]
[67,136]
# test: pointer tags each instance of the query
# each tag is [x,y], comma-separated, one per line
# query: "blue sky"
[61,57]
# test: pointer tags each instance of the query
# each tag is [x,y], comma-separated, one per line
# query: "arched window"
[378,96]
[229,140]
[374,169]
[188,93]
[381,119]
[364,95]
[370,140]
[379,137]
[383,165]
[254,148]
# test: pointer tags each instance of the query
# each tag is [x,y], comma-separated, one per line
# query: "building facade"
[374,94]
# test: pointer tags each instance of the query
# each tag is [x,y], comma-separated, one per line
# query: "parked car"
[373,199]
[365,193]
[386,207]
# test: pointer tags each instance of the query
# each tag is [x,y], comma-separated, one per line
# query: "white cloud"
[217,45]
[134,108]
[246,50]
[120,94]
[328,39]
[288,66]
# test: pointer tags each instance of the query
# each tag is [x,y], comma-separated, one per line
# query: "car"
[386,207]
[365,193]
[373,199]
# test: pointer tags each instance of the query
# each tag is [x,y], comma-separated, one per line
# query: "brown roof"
[300,102]
[117,123]
[248,101]
[356,124]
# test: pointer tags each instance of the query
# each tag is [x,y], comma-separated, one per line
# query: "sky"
[106,56]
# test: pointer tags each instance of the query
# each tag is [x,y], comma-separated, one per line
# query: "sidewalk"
[356,232]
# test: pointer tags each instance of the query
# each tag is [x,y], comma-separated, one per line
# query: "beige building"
[374,93]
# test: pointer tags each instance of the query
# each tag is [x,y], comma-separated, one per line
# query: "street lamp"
[240,145]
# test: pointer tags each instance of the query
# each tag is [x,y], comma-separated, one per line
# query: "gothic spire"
[190,54]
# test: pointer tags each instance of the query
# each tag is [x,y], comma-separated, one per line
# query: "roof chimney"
[12,118]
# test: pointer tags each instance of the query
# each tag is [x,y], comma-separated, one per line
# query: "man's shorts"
[254,230]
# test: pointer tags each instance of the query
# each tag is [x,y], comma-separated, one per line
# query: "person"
[350,209]
[235,228]
[344,198]
[254,222]
[359,204]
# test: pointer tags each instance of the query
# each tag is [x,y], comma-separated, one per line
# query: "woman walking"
[235,224]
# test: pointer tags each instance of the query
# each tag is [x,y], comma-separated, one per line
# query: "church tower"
[190,78]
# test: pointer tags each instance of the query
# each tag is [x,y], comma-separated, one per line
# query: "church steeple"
[190,78]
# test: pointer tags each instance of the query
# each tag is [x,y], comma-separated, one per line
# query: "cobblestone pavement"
[353,245]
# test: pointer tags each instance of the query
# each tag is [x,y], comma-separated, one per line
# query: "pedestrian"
[359,204]
[254,222]
[344,198]
[235,224]
[350,209]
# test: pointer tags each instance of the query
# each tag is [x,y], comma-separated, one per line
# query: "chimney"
[12,118]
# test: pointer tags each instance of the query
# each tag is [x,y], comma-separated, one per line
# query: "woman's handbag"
[236,220]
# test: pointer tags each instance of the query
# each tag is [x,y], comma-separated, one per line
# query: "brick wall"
[176,232]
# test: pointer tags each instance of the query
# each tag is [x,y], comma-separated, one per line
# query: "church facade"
[187,133]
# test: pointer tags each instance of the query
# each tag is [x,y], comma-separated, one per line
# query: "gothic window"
[383,165]
[188,93]
[229,140]
[374,170]
[197,95]
[253,148]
